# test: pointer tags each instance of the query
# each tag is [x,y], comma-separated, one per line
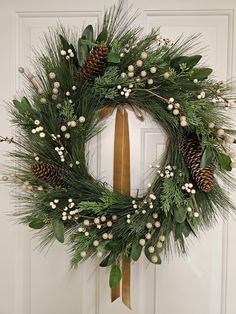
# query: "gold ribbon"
[121,181]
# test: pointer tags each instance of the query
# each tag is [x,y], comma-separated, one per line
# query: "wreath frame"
[62,107]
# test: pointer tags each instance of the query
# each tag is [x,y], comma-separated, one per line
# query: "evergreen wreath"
[75,79]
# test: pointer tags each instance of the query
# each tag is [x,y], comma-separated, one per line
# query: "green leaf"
[190,61]
[224,161]
[180,214]
[115,276]
[207,157]
[113,57]
[201,73]
[109,260]
[82,52]
[113,246]
[136,251]
[88,33]
[22,106]
[64,43]
[59,230]
[36,223]
[102,37]
[88,42]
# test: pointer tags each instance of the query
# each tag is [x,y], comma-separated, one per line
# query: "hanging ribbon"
[121,182]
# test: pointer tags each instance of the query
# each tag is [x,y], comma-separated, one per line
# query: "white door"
[41,283]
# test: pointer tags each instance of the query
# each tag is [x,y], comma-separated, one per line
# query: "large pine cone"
[192,152]
[95,64]
[48,173]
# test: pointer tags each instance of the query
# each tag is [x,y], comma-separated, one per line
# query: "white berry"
[151,249]
[55,91]
[21,70]
[95,242]
[56,84]
[149,225]
[142,242]
[143,73]
[67,135]
[157,224]
[153,70]
[166,75]
[82,119]
[139,63]
[154,259]
[83,254]
[43,100]
[175,112]
[131,68]
[144,55]
[52,75]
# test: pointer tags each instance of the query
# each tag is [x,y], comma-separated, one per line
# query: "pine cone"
[48,173]
[95,64]
[192,152]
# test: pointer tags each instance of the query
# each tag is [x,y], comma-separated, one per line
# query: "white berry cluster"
[168,172]
[125,91]
[225,137]
[67,54]
[125,50]
[30,76]
[228,103]
[54,203]
[202,95]
[192,213]
[188,187]
[136,70]
[175,108]
[161,41]
[61,151]
[69,212]
[76,162]
[38,129]
[55,90]
[64,129]
[150,226]
[36,157]
[26,186]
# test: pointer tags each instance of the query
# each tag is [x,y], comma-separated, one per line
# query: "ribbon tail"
[126,276]
[115,292]
[121,172]
[121,184]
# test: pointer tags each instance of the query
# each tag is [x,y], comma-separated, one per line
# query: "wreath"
[78,82]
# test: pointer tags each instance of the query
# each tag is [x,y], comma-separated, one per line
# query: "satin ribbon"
[121,182]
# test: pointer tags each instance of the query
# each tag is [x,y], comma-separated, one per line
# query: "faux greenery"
[87,214]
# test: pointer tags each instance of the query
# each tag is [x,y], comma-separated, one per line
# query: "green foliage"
[22,106]
[207,157]
[136,251]
[115,276]
[36,223]
[58,229]
[224,161]
[190,62]
[82,52]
